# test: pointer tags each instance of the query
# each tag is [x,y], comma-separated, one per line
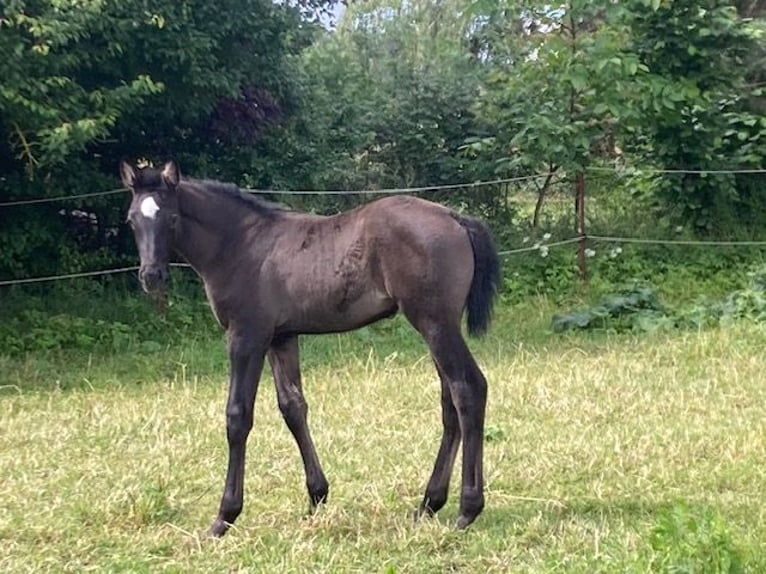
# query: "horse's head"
[153,216]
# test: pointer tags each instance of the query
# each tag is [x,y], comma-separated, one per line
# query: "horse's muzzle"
[152,278]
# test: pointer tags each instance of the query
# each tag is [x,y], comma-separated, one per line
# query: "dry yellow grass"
[591,443]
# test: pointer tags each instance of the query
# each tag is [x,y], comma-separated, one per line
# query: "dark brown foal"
[271,275]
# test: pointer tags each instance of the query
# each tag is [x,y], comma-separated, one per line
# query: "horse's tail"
[486,275]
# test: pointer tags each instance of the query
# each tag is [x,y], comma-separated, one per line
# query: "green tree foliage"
[696,112]
[86,83]
[51,108]
[388,100]
[670,84]
[560,84]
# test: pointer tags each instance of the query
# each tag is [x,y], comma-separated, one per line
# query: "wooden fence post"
[580,203]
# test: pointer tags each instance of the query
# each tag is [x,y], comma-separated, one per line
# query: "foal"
[271,275]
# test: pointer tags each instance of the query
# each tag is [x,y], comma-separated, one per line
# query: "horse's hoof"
[423,511]
[464,521]
[315,501]
[218,529]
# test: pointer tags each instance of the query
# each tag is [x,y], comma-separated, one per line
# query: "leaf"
[600,108]
[151,347]
[578,82]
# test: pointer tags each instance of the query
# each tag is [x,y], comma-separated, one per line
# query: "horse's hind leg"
[466,401]
[469,393]
[438,485]
[284,359]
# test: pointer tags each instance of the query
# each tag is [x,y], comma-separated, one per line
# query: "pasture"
[604,453]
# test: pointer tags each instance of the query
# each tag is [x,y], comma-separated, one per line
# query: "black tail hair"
[486,275]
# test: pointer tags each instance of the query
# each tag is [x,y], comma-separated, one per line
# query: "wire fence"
[81,275]
[539,246]
[692,242]
[40,200]
[421,189]
[67,276]
[640,170]
[388,191]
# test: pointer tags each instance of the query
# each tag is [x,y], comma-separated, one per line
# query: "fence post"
[580,203]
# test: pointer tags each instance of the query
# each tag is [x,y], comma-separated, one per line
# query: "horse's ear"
[171,174]
[128,175]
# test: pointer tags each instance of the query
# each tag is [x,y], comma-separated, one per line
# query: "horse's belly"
[368,307]
[343,314]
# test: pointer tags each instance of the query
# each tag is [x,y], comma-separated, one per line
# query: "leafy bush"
[638,308]
[94,316]
[689,541]
[748,302]
[627,310]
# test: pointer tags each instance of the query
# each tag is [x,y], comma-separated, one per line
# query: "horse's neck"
[206,230]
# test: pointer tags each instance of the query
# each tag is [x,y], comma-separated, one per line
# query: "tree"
[89,82]
[49,109]
[695,109]
[664,82]
[387,99]
[560,87]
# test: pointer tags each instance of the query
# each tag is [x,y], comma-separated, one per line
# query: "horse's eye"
[130,222]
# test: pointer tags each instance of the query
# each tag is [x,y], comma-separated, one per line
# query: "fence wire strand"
[79,275]
[701,242]
[67,276]
[400,190]
[629,170]
[537,247]
[61,198]
[389,191]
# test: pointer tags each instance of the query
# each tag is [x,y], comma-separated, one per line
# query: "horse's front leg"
[246,355]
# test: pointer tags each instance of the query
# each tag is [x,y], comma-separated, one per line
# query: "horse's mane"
[262,207]
[152,178]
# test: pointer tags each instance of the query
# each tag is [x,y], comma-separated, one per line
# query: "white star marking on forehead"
[149,208]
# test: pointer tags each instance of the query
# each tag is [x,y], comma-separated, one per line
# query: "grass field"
[604,453]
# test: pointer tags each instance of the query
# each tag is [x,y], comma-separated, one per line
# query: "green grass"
[604,453]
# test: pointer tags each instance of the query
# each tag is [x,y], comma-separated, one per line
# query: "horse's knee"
[238,422]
